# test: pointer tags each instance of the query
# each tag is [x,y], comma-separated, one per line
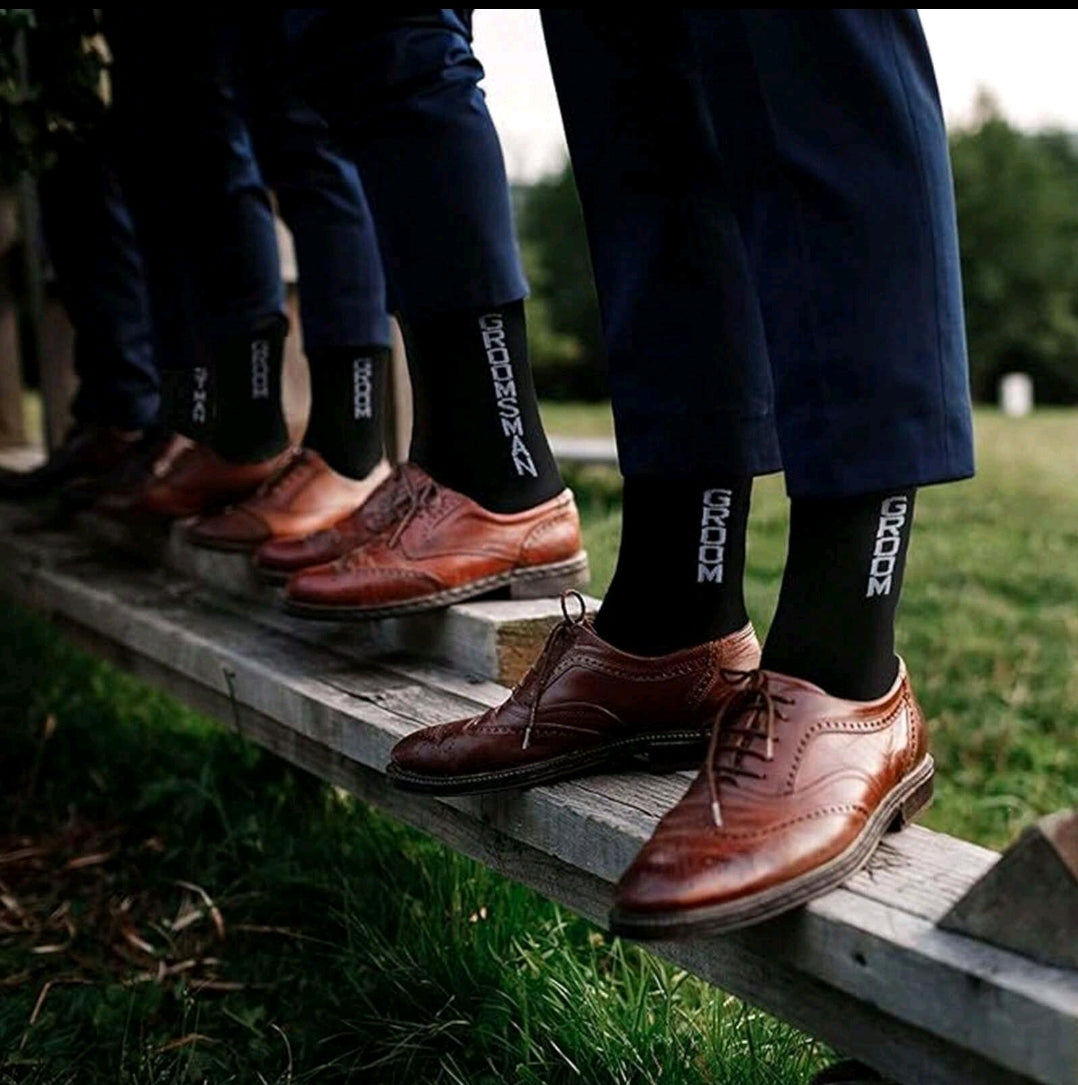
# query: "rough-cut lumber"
[494,639]
[866,968]
[1028,901]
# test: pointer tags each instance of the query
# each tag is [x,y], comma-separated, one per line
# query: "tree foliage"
[563,312]
[51,66]
[1017,197]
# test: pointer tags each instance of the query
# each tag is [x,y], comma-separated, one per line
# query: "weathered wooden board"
[865,968]
[493,638]
[1028,901]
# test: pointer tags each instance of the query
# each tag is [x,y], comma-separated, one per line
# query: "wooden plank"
[904,1052]
[398,418]
[1000,908]
[973,1012]
[12,426]
[295,376]
[601,451]
[494,639]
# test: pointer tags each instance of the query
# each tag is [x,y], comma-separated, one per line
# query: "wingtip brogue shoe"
[583,707]
[796,791]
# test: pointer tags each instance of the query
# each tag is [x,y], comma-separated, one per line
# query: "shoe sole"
[659,752]
[274,576]
[534,582]
[223,546]
[898,809]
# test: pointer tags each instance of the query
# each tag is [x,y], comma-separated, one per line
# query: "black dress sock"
[188,401]
[835,621]
[348,391]
[250,424]
[477,427]
[680,575]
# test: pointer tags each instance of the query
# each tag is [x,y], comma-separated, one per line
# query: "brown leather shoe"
[796,791]
[304,496]
[199,481]
[584,707]
[87,454]
[442,549]
[278,559]
[119,498]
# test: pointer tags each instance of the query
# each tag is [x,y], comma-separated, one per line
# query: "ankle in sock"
[249,418]
[834,623]
[188,401]
[348,389]
[477,425]
[679,580]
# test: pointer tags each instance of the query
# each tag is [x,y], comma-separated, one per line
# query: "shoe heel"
[550,580]
[912,805]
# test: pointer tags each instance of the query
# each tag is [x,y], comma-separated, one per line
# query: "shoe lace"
[292,471]
[748,713]
[410,501]
[545,664]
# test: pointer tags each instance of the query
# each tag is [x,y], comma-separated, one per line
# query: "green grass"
[577,419]
[352,949]
[349,948]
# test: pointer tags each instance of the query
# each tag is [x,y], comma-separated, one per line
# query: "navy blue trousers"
[770,213]
[208,131]
[101,280]
[401,95]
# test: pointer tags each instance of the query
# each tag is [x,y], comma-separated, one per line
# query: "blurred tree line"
[1017,196]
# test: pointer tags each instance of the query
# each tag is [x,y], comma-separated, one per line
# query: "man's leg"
[344,321]
[692,405]
[204,216]
[829,138]
[483,505]
[100,276]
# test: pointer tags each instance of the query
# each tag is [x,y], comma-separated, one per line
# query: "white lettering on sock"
[362,387]
[260,352]
[492,328]
[888,544]
[200,395]
[712,548]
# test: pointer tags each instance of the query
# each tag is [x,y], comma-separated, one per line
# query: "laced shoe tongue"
[744,730]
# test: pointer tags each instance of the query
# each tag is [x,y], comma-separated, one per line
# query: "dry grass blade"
[220,985]
[215,912]
[21,854]
[132,938]
[95,859]
[185,1041]
[43,993]
[185,919]
[12,905]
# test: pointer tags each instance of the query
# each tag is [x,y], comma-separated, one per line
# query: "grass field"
[176,907]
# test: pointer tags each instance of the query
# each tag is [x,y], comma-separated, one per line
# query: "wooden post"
[52,331]
[1028,901]
[12,424]
[398,401]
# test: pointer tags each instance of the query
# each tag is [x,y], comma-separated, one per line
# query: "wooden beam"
[398,400]
[493,639]
[865,968]
[12,426]
[1028,901]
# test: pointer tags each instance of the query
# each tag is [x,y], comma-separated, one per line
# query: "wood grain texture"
[865,967]
[1000,908]
[498,639]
